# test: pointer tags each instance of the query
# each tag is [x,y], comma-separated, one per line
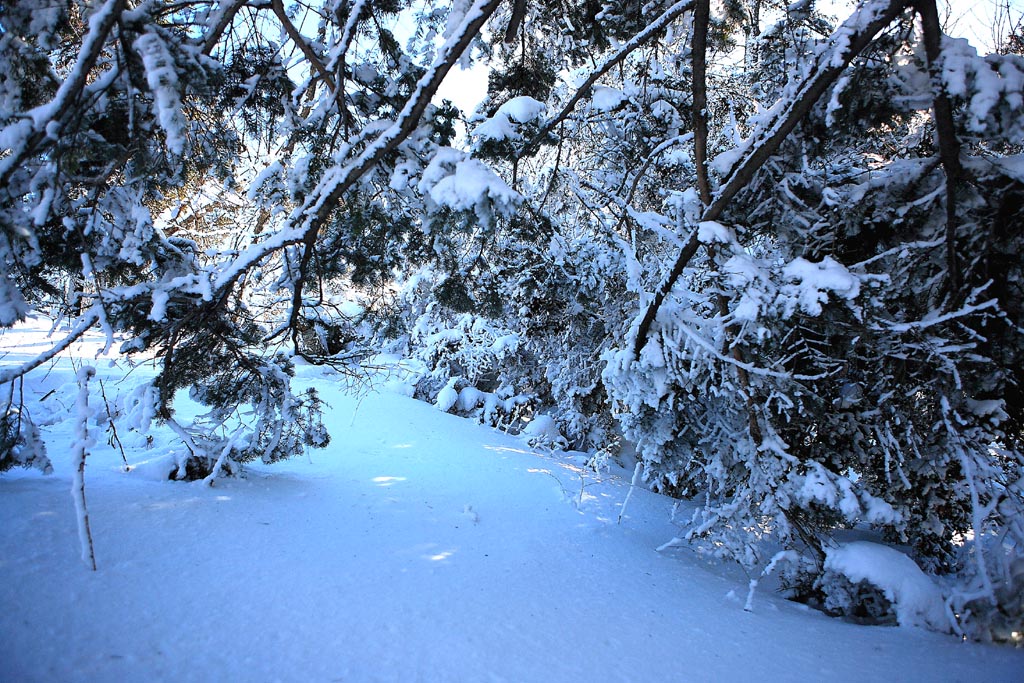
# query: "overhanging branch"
[639,39]
[849,40]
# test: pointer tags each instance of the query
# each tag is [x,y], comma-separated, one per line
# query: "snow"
[712,231]
[448,396]
[1012,165]
[453,180]
[814,280]
[470,185]
[915,597]
[470,398]
[163,82]
[606,99]
[418,547]
[272,169]
[160,299]
[523,109]
[504,125]
[498,127]
[543,430]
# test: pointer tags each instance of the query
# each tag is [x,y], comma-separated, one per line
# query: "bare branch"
[701,18]
[221,19]
[518,14]
[949,145]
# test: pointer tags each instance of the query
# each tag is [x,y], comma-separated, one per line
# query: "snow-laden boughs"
[819,359]
[990,88]
[791,280]
[112,114]
[458,183]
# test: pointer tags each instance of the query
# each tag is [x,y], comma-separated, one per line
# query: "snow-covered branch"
[652,30]
[846,43]
[46,122]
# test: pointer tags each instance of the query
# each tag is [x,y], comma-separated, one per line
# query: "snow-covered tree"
[117,120]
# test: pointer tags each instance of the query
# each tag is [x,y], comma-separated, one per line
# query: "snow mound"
[160,468]
[448,396]
[914,596]
[543,430]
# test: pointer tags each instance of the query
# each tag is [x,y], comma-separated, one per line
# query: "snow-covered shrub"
[843,348]
[468,361]
[252,410]
[542,431]
[828,396]
[878,584]
[466,346]
[570,299]
[997,615]
[552,302]
[21,445]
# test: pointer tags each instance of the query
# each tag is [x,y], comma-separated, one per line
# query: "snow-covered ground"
[417,547]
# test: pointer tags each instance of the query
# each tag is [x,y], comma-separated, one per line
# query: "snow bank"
[451,540]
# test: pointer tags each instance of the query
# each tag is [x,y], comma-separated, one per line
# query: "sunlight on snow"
[439,557]
[507,449]
[387,481]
